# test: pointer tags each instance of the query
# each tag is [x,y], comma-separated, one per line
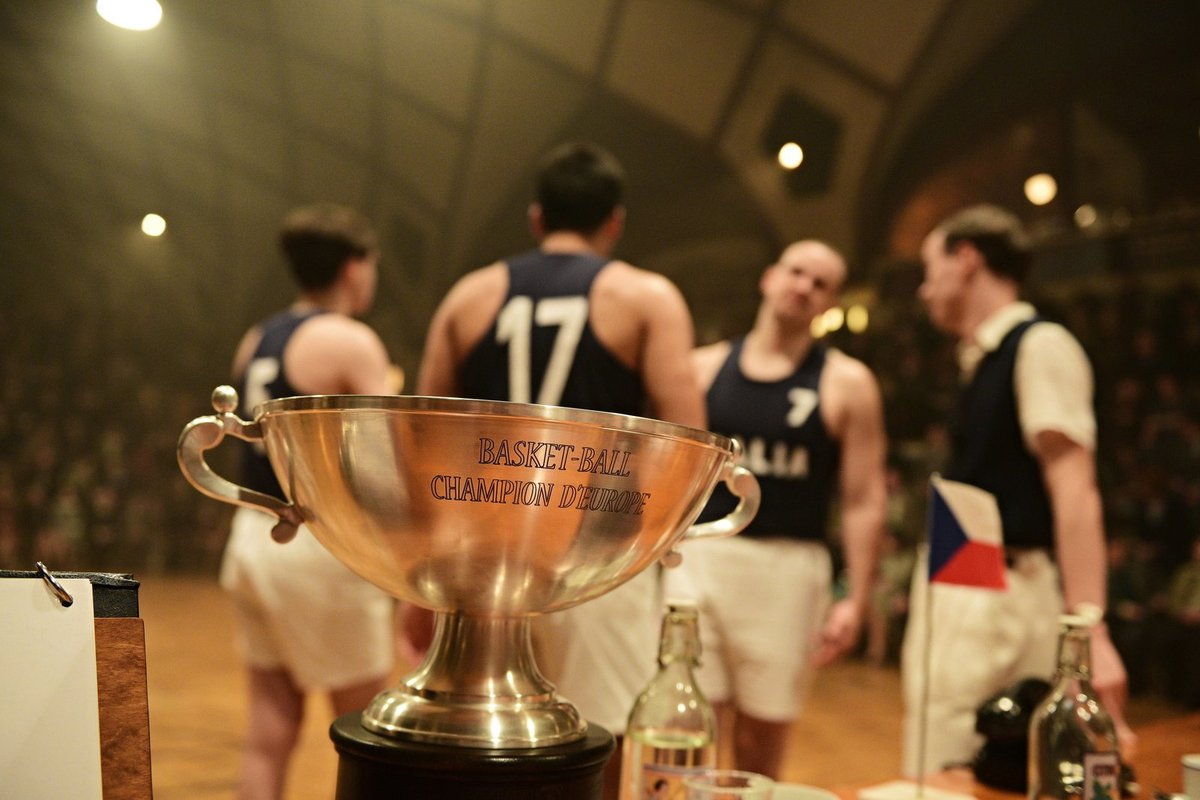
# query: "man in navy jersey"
[566,324]
[1023,430]
[305,622]
[810,420]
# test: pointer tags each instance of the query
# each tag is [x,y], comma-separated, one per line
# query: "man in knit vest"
[1023,430]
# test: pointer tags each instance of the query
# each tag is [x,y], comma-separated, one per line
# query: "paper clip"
[62,594]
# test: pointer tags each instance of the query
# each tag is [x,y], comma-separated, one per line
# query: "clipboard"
[124,707]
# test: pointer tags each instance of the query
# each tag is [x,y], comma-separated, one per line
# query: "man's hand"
[1109,679]
[840,633]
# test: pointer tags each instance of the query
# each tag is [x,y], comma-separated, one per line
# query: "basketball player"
[810,421]
[566,324]
[305,622]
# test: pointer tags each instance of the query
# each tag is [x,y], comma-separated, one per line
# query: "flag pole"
[924,726]
[927,647]
[964,522]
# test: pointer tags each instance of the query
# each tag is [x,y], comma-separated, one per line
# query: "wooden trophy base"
[371,766]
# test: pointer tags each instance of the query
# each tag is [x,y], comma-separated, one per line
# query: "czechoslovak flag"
[965,541]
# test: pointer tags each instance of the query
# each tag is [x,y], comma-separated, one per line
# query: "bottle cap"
[1082,615]
[676,604]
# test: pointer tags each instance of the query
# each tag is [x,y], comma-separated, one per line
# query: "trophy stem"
[479,686]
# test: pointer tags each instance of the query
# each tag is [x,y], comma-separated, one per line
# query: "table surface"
[1156,763]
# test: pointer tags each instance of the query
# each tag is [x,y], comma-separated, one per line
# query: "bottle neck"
[680,643]
[1075,654]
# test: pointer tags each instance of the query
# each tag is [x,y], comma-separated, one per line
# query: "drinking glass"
[728,784]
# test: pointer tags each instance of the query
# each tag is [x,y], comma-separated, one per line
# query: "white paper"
[907,790]
[800,791]
[49,711]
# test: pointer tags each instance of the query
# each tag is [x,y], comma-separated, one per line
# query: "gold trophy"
[488,513]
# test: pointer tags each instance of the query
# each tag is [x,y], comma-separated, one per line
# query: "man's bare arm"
[461,320]
[1069,471]
[438,376]
[245,351]
[863,493]
[367,369]
[666,365]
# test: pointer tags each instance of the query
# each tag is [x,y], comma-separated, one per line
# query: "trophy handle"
[205,433]
[744,486]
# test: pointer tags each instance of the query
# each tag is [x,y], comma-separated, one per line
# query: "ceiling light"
[1040,189]
[135,15]
[791,155]
[153,225]
[1086,215]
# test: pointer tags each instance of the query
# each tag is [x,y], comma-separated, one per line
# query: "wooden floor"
[848,734]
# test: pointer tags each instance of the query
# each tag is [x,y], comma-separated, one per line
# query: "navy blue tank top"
[264,379]
[988,449]
[541,347]
[785,444]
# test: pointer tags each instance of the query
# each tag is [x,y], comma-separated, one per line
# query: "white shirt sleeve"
[1053,383]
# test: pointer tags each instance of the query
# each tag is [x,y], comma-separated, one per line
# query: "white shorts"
[600,655]
[762,604]
[980,642]
[298,608]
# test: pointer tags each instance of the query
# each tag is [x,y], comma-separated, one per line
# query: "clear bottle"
[1072,742]
[672,729]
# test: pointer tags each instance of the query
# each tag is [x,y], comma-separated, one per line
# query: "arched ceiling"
[1104,96]
[428,115]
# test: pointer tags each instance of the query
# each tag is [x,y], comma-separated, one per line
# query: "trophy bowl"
[488,513]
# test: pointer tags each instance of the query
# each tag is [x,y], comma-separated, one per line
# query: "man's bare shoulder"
[245,350]
[466,312]
[850,396]
[334,331]
[707,361]
[333,354]
[848,382]
[635,284]
[848,369]
[710,353]
[480,285]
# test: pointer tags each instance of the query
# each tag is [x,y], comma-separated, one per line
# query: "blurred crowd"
[88,424]
[88,478]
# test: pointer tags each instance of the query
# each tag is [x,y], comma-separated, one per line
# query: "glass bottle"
[671,731]
[1072,741]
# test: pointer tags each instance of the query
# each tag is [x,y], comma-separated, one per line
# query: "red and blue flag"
[966,546]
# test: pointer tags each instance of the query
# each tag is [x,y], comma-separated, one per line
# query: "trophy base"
[477,687]
[456,721]
[371,766]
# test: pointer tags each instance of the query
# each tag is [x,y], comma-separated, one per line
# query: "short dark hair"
[579,186]
[998,236]
[317,240]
